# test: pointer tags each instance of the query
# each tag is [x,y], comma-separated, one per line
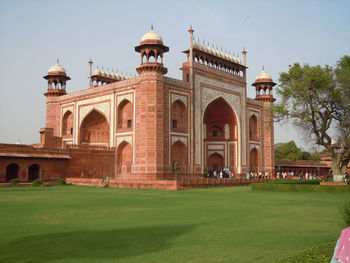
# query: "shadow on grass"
[114,244]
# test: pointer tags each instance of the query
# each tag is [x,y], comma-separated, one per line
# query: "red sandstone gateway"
[136,128]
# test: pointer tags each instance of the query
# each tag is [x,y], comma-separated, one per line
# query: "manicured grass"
[83,224]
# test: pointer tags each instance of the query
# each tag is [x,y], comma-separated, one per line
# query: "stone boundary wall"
[181,184]
[216,182]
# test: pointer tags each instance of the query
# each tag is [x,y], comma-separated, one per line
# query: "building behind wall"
[203,122]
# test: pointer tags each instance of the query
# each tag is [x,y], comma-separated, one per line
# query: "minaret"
[151,49]
[56,86]
[264,93]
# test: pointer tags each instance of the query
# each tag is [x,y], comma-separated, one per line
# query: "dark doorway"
[11,171]
[33,172]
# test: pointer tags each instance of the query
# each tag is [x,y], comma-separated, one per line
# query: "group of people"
[224,173]
[282,175]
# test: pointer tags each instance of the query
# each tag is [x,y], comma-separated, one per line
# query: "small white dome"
[263,75]
[102,72]
[57,68]
[97,72]
[151,35]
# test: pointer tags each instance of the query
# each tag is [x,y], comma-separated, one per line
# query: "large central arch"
[94,129]
[219,131]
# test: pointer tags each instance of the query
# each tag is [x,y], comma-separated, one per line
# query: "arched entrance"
[254,160]
[215,162]
[11,171]
[33,172]
[124,158]
[219,130]
[179,154]
[94,129]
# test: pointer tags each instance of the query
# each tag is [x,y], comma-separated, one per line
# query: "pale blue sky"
[34,33]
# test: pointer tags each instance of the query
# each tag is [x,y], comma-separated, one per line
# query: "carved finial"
[57,61]
[263,67]
[190,27]
[151,26]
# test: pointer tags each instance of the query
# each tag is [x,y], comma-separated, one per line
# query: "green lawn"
[85,224]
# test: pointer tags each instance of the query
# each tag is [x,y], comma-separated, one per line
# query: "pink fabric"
[343,251]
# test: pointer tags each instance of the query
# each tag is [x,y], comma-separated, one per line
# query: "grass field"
[85,224]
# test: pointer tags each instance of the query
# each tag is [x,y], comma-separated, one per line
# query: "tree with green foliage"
[290,151]
[317,100]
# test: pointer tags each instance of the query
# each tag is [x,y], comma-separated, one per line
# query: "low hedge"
[293,181]
[318,254]
[300,188]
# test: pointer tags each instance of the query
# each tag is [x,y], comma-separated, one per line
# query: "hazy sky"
[33,34]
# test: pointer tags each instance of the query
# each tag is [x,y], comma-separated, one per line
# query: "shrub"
[61,181]
[37,182]
[14,181]
[300,188]
[293,181]
[345,212]
[319,254]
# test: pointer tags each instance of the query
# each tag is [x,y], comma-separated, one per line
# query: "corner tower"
[264,93]
[151,145]
[56,86]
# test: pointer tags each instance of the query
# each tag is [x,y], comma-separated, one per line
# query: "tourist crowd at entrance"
[224,173]
[227,173]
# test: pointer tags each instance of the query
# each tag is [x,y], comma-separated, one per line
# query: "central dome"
[152,35]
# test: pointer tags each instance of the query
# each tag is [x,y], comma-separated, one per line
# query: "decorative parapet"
[97,90]
[177,82]
[220,73]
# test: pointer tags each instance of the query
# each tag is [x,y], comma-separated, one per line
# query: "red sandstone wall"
[91,164]
[53,116]
[151,131]
[267,139]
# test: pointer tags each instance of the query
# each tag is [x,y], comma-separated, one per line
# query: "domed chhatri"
[151,49]
[264,87]
[56,80]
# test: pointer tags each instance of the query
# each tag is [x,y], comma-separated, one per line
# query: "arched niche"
[179,154]
[94,129]
[125,115]
[254,160]
[253,128]
[124,158]
[217,114]
[178,117]
[67,124]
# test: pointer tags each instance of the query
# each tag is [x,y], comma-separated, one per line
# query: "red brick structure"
[204,121]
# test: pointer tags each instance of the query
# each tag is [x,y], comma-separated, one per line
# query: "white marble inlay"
[215,147]
[174,139]
[121,139]
[175,97]
[101,107]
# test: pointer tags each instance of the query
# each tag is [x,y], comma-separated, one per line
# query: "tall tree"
[317,100]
